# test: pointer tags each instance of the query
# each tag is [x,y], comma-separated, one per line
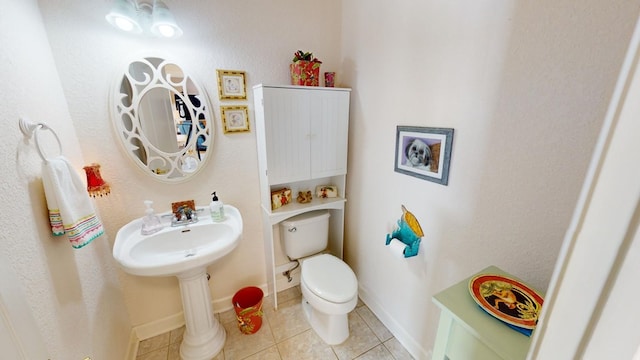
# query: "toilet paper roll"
[397,248]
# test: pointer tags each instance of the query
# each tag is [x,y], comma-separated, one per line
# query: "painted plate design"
[507,299]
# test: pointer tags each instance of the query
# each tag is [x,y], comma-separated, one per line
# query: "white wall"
[258,37]
[524,85]
[74,294]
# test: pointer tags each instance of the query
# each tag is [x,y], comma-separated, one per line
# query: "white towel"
[70,208]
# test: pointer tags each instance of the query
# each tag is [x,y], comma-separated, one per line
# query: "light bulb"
[166,30]
[163,23]
[124,24]
[123,16]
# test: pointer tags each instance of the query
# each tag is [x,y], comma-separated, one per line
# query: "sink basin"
[184,251]
[175,250]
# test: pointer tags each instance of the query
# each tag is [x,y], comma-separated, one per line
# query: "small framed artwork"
[235,118]
[232,85]
[424,152]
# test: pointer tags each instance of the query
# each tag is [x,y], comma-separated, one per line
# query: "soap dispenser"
[217,208]
[150,222]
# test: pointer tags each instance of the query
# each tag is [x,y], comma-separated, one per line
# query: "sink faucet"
[185,212]
[184,215]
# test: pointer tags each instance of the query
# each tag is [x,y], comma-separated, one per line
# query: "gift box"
[306,73]
[280,197]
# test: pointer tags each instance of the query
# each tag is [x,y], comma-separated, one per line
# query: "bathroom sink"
[175,250]
[184,251]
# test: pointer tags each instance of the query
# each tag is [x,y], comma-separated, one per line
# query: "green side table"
[466,332]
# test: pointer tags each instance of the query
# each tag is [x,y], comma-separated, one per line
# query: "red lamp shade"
[95,185]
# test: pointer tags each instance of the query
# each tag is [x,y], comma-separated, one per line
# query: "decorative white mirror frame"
[170,163]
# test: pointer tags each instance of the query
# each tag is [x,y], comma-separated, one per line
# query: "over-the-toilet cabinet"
[302,137]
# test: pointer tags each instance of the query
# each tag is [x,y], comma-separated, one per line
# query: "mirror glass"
[162,119]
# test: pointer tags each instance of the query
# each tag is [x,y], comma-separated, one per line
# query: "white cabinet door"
[306,133]
[329,131]
[286,120]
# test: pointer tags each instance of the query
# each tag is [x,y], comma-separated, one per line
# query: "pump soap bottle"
[150,222]
[217,208]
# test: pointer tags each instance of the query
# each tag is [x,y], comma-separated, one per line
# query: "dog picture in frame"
[424,152]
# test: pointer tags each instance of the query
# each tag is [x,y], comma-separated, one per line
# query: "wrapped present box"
[280,197]
[306,73]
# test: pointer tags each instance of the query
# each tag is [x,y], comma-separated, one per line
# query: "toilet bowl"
[329,286]
[329,292]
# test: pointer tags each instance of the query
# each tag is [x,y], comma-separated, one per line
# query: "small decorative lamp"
[95,185]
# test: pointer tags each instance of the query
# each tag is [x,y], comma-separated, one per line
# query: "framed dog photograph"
[235,118]
[232,85]
[424,152]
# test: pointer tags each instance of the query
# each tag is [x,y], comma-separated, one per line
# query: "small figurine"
[409,232]
[304,197]
[326,191]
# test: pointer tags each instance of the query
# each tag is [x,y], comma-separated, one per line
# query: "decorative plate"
[506,299]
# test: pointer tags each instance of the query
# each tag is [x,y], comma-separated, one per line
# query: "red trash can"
[248,305]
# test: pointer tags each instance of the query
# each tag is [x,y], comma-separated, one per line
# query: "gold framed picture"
[235,118]
[232,85]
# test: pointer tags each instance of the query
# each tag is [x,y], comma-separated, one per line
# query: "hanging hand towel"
[70,208]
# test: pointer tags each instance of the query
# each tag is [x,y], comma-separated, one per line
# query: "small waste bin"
[248,305]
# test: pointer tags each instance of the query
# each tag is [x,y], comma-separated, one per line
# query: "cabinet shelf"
[295,208]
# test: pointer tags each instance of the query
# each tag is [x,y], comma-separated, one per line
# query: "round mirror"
[162,119]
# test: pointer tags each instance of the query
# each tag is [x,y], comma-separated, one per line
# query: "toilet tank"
[305,234]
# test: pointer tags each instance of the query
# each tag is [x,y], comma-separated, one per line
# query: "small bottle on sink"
[216,207]
[150,222]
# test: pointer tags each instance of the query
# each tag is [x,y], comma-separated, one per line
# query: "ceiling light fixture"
[124,16]
[163,23]
[136,17]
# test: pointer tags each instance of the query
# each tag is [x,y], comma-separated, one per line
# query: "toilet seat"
[329,278]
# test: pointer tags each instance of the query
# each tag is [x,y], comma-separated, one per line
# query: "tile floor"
[285,334]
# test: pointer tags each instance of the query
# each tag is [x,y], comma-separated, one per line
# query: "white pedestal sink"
[184,251]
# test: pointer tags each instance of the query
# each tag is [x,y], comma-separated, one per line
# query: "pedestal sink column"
[204,337]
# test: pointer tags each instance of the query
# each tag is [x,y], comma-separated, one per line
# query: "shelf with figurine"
[283,205]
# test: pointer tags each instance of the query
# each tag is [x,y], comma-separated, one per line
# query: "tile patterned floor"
[286,335]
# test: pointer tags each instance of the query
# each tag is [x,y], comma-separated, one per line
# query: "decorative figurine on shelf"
[409,232]
[304,197]
[326,191]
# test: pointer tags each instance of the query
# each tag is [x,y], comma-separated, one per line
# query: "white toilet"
[329,286]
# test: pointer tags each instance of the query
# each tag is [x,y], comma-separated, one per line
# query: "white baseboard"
[413,347]
[132,349]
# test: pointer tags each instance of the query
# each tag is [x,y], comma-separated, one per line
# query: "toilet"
[329,286]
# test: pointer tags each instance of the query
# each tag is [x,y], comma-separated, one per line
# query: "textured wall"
[525,86]
[75,295]
[258,37]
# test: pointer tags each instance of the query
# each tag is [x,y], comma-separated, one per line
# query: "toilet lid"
[329,278]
